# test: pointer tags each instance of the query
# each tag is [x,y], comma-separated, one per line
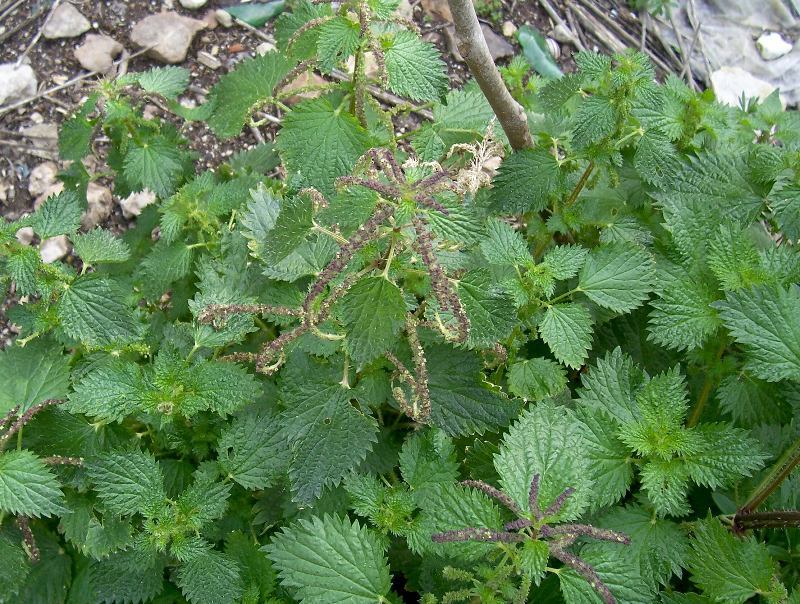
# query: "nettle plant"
[363,365]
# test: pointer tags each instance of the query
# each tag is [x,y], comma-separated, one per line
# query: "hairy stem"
[761,520]
[472,46]
[579,187]
[777,474]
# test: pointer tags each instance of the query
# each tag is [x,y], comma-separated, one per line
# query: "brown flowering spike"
[585,570]
[23,522]
[421,367]
[318,199]
[587,530]
[26,417]
[8,416]
[402,401]
[223,311]
[432,181]
[396,172]
[493,492]
[533,497]
[518,524]
[291,75]
[430,202]
[60,460]
[556,506]
[477,534]
[386,190]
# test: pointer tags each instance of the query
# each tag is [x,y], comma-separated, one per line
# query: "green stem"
[777,474]
[702,399]
[579,187]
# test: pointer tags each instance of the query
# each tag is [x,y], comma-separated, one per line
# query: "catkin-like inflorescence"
[365,233]
[61,460]
[290,76]
[518,524]
[223,311]
[421,367]
[477,534]
[556,506]
[8,416]
[495,493]
[430,202]
[26,417]
[587,530]
[23,522]
[384,189]
[533,497]
[585,570]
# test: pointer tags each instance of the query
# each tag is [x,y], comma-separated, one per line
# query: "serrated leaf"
[414,68]
[100,246]
[427,144]
[165,264]
[546,440]
[128,483]
[154,164]
[724,456]
[373,311]
[329,559]
[240,92]
[525,181]
[75,134]
[504,245]
[203,502]
[59,215]
[27,486]
[337,40]
[765,321]
[610,386]
[617,276]
[656,159]
[490,309]
[319,142]
[428,459]
[91,311]
[210,577]
[729,568]
[567,330]
[128,577]
[784,199]
[14,568]
[462,401]
[609,459]
[32,374]
[682,318]
[595,119]
[169,81]
[253,450]
[110,392]
[328,436]
[536,379]
[564,261]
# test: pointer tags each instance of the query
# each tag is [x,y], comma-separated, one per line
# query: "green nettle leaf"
[567,330]
[60,214]
[765,321]
[610,387]
[683,317]
[91,311]
[564,261]
[338,39]
[110,392]
[610,462]
[414,67]
[784,199]
[132,576]
[546,440]
[526,180]
[536,379]
[154,164]
[210,577]
[14,568]
[617,276]
[75,135]
[490,309]
[595,119]
[128,483]
[253,450]
[328,436]
[32,374]
[428,459]
[728,568]
[373,311]
[239,93]
[504,245]
[169,81]
[27,486]
[462,401]
[320,142]
[100,246]
[329,559]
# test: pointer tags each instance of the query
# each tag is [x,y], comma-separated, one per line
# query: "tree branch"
[472,46]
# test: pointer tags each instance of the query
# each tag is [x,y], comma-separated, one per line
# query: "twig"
[548,8]
[472,46]
[38,33]
[21,25]
[72,82]
[11,9]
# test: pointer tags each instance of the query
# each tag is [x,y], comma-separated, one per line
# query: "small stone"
[438,9]
[65,22]
[303,80]
[97,53]
[99,200]
[209,60]
[499,48]
[210,19]
[193,4]
[25,235]
[43,135]
[54,249]
[772,46]
[42,178]
[265,47]
[36,117]
[16,83]
[563,34]
[169,35]
[729,83]
[224,18]
[509,29]
[134,203]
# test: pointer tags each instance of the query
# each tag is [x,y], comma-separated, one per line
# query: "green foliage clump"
[419,366]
